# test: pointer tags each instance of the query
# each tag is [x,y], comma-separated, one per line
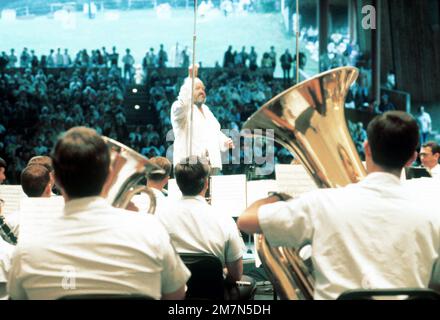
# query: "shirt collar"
[381,178]
[198,198]
[85,204]
[158,193]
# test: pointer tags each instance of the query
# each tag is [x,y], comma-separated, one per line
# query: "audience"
[425,124]
[96,88]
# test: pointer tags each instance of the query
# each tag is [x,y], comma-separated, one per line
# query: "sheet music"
[36,214]
[174,192]
[228,193]
[12,195]
[259,189]
[293,179]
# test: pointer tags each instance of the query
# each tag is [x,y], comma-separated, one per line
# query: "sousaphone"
[128,168]
[308,120]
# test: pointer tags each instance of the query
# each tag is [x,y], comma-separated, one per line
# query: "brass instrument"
[127,169]
[6,232]
[308,119]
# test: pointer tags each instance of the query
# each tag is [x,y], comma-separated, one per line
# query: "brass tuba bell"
[128,168]
[308,120]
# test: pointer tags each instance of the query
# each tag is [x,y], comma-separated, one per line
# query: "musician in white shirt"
[94,248]
[36,183]
[196,227]
[156,181]
[207,139]
[375,234]
[429,156]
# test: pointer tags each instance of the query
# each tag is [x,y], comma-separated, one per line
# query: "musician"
[156,181]
[377,233]
[93,247]
[429,155]
[36,183]
[207,139]
[196,227]
[46,162]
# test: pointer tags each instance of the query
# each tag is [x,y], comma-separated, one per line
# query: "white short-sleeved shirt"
[195,227]
[435,171]
[104,249]
[6,250]
[373,234]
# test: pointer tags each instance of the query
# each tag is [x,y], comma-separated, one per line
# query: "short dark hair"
[433,145]
[393,138]
[34,180]
[191,174]
[44,161]
[2,163]
[81,160]
[162,163]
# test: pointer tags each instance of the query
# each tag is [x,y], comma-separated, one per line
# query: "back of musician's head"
[81,160]
[393,138]
[191,174]
[34,180]
[164,164]
[44,161]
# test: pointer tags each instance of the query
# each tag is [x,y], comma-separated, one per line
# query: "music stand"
[416,172]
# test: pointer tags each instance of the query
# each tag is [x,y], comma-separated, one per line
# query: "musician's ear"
[48,190]
[107,183]
[205,185]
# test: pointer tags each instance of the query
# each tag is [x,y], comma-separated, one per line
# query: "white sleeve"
[222,138]
[235,245]
[6,251]
[287,223]
[174,273]
[15,288]
[181,107]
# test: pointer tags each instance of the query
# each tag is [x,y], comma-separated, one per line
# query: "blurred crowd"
[43,96]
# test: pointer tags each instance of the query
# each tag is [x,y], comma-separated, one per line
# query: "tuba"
[128,168]
[308,120]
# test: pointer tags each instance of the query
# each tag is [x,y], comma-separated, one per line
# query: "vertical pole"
[297,41]
[192,79]
[375,50]
[323,12]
